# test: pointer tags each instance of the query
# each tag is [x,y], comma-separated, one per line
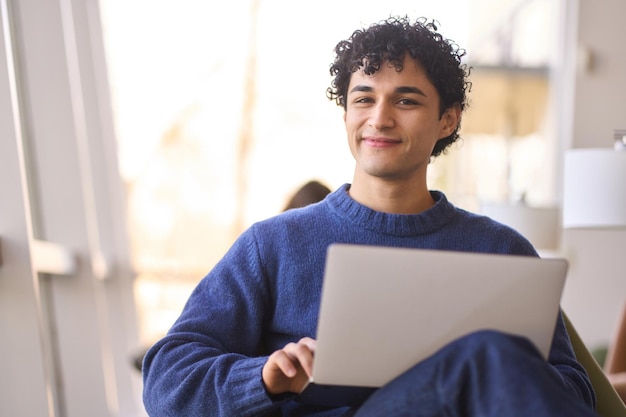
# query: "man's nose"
[381,116]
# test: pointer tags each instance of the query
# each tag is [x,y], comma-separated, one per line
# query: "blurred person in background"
[311,192]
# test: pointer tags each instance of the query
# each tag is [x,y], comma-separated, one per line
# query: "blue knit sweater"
[265,292]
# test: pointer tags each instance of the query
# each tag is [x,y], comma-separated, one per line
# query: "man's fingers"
[289,368]
[302,353]
[309,342]
[284,362]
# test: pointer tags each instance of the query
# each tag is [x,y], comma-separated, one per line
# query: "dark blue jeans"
[484,374]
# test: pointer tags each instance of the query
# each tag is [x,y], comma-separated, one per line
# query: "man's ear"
[450,120]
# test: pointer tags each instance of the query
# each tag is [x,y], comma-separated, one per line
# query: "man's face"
[392,121]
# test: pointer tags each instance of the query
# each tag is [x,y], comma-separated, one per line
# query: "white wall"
[596,286]
[67,325]
[600,89]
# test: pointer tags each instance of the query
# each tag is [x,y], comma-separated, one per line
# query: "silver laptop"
[385,309]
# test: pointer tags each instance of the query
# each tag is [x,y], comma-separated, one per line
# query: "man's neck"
[391,196]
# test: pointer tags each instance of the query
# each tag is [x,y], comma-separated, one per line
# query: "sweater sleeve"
[573,374]
[208,362]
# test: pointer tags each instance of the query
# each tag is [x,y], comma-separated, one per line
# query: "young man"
[244,344]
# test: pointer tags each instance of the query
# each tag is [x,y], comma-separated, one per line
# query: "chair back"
[608,401]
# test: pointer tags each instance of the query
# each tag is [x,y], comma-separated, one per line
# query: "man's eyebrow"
[401,90]
[413,90]
[362,88]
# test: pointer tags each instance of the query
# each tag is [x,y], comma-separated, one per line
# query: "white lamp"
[594,207]
[594,187]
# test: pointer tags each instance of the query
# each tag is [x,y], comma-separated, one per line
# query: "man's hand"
[288,369]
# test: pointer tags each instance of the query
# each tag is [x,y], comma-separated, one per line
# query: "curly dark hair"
[389,41]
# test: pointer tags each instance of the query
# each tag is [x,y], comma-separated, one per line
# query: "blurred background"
[140,138]
[213,136]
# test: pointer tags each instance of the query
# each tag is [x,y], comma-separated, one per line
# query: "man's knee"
[492,344]
[488,354]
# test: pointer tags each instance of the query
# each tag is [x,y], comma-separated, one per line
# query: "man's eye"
[363,100]
[407,102]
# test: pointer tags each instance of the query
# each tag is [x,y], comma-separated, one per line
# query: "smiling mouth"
[380,141]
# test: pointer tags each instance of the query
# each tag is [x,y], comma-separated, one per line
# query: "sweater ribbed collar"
[426,222]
